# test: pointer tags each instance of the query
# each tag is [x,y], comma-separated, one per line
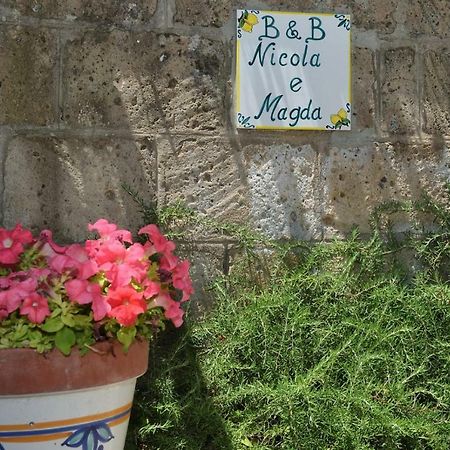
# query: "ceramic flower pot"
[52,401]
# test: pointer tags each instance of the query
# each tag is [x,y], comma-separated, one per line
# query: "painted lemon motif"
[340,119]
[247,21]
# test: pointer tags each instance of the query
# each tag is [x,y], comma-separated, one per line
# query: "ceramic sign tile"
[293,71]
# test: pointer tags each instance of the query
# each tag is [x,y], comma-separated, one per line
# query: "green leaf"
[80,321]
[20,332]
[52,325]
[126,336]
[67,319]
[65,340]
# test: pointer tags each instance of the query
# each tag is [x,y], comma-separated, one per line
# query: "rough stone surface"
[363,89]
[399,91]
[430,17]
[64,184]
[27,76]
[121,11]
[437,92]
[207,263]
[357,179]
[371,14]
[282,182]
[144,81]
[207,174]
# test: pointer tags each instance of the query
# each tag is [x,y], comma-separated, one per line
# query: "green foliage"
[336,345]
[172,408]
[177,221]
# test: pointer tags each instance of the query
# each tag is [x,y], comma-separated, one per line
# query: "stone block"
[282,184]
[436,102]
[429,17]
[63,184]
[207,262]
[205,174]
[368,15]
[371,14]
[364,88]
[357,179]
[145,82]
[114,11]
[28,89]
[399,108]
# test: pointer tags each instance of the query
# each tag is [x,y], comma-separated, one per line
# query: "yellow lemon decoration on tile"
[247,21]
[340,119]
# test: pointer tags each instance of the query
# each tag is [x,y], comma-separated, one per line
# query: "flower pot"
[53,401]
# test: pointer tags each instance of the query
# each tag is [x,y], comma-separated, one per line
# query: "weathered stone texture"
[436,102]
[431,17]
[116,11]
[372,14]
[144,82]
[357,179]
[205,173]
[27,76]
[282,182]
[64,184]
[364,85]
[399,91]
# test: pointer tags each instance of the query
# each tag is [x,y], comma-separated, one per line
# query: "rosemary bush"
[342,346]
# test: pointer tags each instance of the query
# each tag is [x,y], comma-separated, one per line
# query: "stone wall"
[98,93]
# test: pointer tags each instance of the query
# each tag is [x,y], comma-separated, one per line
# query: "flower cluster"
[109,287]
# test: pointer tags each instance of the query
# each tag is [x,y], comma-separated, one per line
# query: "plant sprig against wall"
[343,346]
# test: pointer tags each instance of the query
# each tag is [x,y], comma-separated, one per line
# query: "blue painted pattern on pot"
[86,433]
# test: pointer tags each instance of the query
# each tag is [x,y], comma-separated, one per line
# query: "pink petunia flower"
[19,289]
[109,231]
[126,304]
[172,309]
[35,307]
[168,261]
[182,280]
[85,292]
[12,243]
[75,259]
[160,242]
[152,288]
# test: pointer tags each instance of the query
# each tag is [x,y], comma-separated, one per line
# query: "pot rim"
[25,371]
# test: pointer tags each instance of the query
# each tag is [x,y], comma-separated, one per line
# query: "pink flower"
[105,251]
[19,289]
[85,266]
[84,292]
[169,262]
[12,244]
[35,307]
[132,265]
[108,231]
[46,237]
[152,288]
[172,309]
[182,280]
[126,304]
[159,241]
[103,227]
[76,259]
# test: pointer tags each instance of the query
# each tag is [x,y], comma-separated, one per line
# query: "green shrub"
[338,346]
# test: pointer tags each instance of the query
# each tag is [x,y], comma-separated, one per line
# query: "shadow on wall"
[124,96]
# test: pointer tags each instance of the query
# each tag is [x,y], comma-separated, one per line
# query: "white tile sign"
[292,71]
